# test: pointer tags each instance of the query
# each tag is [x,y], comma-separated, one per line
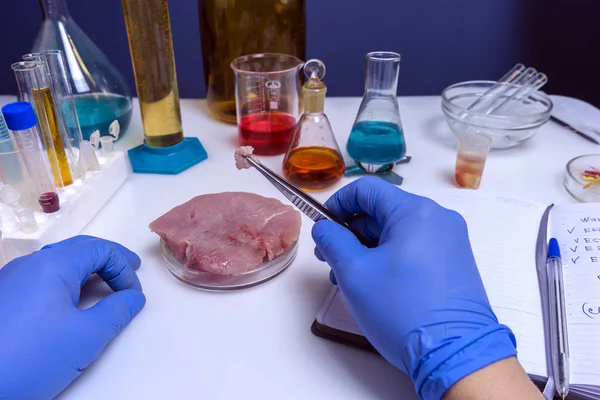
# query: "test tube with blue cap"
[12,169]
[21,120]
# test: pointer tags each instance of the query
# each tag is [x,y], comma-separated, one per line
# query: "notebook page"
[577,229]
[503,234]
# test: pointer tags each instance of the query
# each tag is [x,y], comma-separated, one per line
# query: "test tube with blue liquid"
[21,120]
[376,141]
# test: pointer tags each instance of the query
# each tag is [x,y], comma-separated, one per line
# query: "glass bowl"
[208,281]
[508,129]
[574,182]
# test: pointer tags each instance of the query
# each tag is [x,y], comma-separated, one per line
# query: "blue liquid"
[376,142]
[96,111]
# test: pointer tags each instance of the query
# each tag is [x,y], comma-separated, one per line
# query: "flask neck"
[54,9]
[382,76]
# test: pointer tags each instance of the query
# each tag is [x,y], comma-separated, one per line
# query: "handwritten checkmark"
[571,230]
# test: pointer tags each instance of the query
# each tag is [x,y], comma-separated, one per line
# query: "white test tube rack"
[80,203]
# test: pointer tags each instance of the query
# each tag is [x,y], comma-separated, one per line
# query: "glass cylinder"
[234,28]
[34,87]
[100,92]
[65,115]
[376,141]
[12,169]
[151,45]
[22,121]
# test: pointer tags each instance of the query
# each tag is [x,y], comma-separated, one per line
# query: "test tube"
[513,74]
[34,87]
[65,107]
[107,145]
[520,93]
[26,219]
[87,157]
[12,169]
[21,120]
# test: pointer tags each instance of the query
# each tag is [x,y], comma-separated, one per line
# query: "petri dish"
[574,182]
[208,281]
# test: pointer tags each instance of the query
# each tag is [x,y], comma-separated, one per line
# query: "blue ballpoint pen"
[559,342]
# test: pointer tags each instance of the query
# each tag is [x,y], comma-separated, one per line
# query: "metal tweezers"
[299,198]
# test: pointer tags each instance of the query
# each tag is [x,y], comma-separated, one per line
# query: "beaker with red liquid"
[267,93]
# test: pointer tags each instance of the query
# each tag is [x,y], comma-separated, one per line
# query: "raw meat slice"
[228,233]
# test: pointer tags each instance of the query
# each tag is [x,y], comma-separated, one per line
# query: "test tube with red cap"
[21,120]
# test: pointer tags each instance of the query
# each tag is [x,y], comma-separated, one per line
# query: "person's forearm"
[504,379]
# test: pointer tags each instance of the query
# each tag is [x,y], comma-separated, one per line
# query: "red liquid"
[268,133]
[49,202]
[469,168]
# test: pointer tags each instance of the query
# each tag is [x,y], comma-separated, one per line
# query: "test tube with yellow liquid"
[34,87]
[165,150]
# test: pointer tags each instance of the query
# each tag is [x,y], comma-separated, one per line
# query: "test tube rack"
[80,203]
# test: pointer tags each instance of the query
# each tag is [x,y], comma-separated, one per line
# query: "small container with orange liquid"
[473,149]
[313,161]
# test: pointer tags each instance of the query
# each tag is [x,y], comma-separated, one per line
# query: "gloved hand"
[417,296]
[46,341]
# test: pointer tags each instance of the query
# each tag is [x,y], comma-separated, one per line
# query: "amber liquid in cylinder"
[55,147]
[313,168]
[235,28]
[151,46]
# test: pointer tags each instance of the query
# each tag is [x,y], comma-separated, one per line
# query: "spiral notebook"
[509,238]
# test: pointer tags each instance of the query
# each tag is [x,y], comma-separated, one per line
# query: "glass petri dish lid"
[581,189]
[207,281]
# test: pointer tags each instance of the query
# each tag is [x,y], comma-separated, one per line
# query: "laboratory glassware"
[313,161]
[87,157]
[26,219]
[101,94]
[376,141]
[472,152]
[21,120]
[64,98]
[12,169]
[9,195]
[267,91]
[34,87]
[107,146]
[65,116]
[231,29]
[151,45]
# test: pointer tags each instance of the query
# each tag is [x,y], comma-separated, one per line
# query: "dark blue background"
[441,41]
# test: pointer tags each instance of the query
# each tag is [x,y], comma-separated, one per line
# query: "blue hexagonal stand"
[167,160]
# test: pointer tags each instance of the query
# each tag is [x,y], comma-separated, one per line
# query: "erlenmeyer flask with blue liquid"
[376,142]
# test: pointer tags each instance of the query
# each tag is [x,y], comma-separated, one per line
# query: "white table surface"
[256,343]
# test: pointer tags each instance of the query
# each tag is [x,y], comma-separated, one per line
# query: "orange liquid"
[469,168]
[313,168]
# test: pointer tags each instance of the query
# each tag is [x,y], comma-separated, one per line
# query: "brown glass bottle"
[233,28]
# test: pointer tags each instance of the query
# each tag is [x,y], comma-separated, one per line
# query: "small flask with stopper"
[314,161]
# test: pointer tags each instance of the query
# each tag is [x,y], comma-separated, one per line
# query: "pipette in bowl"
[514,73]
[519,94]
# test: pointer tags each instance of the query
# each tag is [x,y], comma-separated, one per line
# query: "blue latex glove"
[417,296]
[46,341]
